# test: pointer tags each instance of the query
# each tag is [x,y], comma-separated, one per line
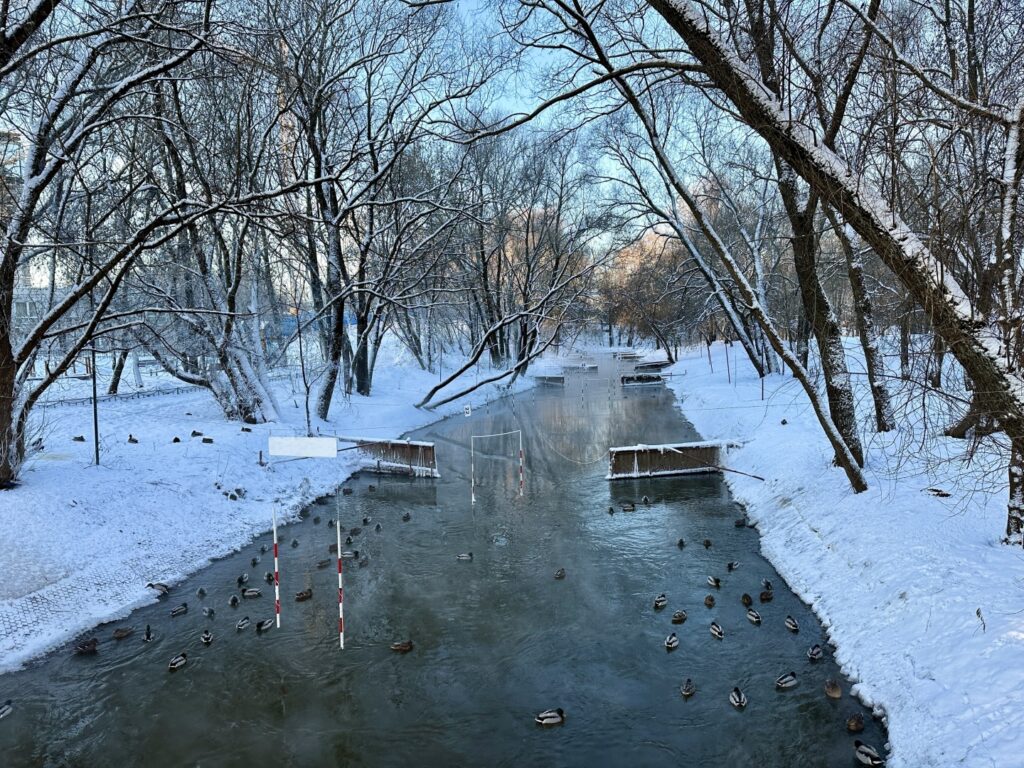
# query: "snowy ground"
[81,541]
[897,575]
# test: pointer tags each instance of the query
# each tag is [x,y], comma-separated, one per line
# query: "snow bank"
[80,541]
[921,600]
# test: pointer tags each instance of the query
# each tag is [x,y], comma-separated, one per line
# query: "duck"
[737,698]
[791,625]
[179,610]
[766,584]
[346,491]
[746,599]
[201,593]
[464,556]
[243,623]
[629,507]
[122,632]
[306,594]
[208,613]
[671,642]
[732,565]
[243,579]
[611,510]
[254,561]
[378,528]
[785,681]
[87,647]
[148,637]
[321,564]
[550,717]
[814,653]
[660,601]
[866,754]
[681,543]
[233,601]
[402,646]
[268,577]
[330,523]
[132,439]
[687,689]
[348,539]
[206,637]
[316,520]
[6,708]
[855,723]
[406,517]
[263,549]
[560,573]
[832,689]
[739,522]
[709,601]
[716,630]
[177,662]
[263,626]
[161,588]
[249,593]
[295,543]
[349,554]
[645,500]
[754,617]
[766,596]
[679,617]
[714,581]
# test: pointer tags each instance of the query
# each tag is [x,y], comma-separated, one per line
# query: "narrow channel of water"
[497,639]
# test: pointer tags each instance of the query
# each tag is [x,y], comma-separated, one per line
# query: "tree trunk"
[115,378]
[334,349]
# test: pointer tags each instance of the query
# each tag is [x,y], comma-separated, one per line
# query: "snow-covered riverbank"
[922,601]
[81,541]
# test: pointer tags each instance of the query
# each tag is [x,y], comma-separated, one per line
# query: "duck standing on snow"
[660,601]
[866,754]
[791,625]
[785,681]
[671,642]
[464,556]
[177,662]
[179,610]
[687,689]
[206,637]
[716,630]
[161,588]
[737,698]
[550,717]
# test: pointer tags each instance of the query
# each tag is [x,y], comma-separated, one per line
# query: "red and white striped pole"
[277,578]
[341,592]
[520,463]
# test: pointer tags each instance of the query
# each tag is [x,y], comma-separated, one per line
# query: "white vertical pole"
[277,578]
[472,474]
[520,463]
[341,591]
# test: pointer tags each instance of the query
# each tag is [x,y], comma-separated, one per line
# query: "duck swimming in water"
[201,593]
[268,577]
[707,543]
[242,624]
[249,593]
[206,637]
[6,708]
[254,561]
[406,517]
[349,555]
[402,646]
[208,613]
[766,596]
[814,653]
[629,507]
[766,584]
[295,543]
[304,595]
[148,637]
[348,540]
[263,626]
[330,522]
[377,528]
[645,500]
[714,581]
[233,601]
[321,564]
[746,599]
[855,723]
[550,717]
[464,556]
[611,510]
[560,573]
[177,662]
[866,754]
[709,601]
[785,681]
[243,579]
[263,549]
[753,617]
[679,617]
[366,519]
[660,601]
[737,698]
[671,642]
[732,566]
[122,632]
[832,689]
[680,543]
[791,625]
[716,630]
[87,647]
[687,689]
[179,610]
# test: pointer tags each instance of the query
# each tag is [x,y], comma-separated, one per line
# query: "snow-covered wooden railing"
[395,457]
[630,461]
[651,365]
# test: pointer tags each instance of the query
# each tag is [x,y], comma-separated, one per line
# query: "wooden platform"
[642,379]
[632,461]
[394,457]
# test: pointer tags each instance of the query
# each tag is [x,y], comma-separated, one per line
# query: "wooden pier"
[394,457]
[632,461]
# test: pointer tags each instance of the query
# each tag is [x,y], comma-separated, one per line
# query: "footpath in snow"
[81,542]
[919,597]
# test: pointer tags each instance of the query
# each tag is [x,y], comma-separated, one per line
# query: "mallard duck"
[737,698]
[295,543]
[321,564]
[179,610]
[378,528]
[87,647]
[206,637]
[679,617]
[855,723]
[364,561]
[681,543]
[243,579]
[611,510]
[406,517]
[645,500]
[263,549]
[791,625]
[201,593]
[304,595]
[671,642]
[866,754]
[159,586]
[753,616]
[268,577]
[177,662]
[233,601]
[350,554]
[687,689]
[709,601]
[402,646]
[739,523]
[249,593]
[208,613]
[560,573]
[629,507]
[766,584]
[263,626]
[346,491]
[254,561]
[832,689]
[148,637]
[660,601]
[732,565]
[6,708]
[316,520]
[785,681]
[714,581]
[366,519]
[243,623]
[746,599]
[814,653]
[766,596]
[464,556]
[707,543]
[132,439]
[122,632]
[716,630]
[348,540]
[330,522]
[550,717]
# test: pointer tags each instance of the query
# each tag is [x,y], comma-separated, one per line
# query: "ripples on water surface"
[497,639]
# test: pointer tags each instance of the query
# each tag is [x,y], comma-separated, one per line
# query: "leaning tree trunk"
[115,377]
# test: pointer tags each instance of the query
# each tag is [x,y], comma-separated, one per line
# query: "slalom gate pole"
[520,464]
[277,578]
[341,591]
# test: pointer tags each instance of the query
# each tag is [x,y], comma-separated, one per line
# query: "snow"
[80,541]
[916,592]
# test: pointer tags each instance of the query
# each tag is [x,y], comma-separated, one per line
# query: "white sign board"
[307,447]
[467,411]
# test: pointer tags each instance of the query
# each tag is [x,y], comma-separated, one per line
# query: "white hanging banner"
[306,447]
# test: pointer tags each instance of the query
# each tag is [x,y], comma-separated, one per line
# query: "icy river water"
[497,639]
